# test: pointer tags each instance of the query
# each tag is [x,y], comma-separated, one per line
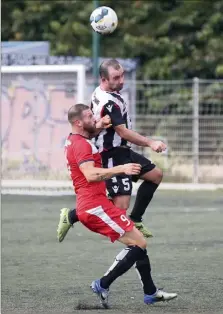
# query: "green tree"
[65,24]
[171,38]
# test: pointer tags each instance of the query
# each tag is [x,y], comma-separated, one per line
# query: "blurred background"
[172,52]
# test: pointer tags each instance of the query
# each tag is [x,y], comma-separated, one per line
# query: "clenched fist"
[158,146]
[131,169]
[104,123]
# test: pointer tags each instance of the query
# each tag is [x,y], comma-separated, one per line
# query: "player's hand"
[104,123]
[158,146]
[131,169]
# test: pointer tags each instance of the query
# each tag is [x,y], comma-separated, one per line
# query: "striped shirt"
[112,104]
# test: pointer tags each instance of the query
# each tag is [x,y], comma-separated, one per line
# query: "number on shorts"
[124,218]
[114,180]
[126,184]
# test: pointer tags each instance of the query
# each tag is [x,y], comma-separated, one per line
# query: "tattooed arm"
[93,174]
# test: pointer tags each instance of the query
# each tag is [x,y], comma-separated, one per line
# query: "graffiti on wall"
[34,122]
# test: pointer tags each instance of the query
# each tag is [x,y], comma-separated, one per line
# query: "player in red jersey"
[84,165]
[99,214]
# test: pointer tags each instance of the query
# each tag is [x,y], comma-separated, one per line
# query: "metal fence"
[187,115]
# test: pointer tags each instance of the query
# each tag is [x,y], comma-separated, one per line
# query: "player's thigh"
[133,237]
[107,220]
[147,165]
[122,201]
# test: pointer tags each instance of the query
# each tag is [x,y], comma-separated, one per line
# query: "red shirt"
[78,150]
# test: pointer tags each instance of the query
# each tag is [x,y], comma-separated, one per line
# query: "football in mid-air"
[104,20]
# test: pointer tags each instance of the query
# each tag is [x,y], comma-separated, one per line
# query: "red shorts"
[106,219]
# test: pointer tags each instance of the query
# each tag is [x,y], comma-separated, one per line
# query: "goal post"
[73,68]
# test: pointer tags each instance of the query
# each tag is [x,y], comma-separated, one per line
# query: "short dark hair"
[103,69]
[75,112]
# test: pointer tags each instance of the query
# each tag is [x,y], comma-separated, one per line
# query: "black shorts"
[122,184]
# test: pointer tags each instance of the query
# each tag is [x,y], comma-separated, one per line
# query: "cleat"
[140,226]
[159,296]
[101,293]
[64,224]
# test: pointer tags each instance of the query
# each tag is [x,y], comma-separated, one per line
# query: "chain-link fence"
[188,116]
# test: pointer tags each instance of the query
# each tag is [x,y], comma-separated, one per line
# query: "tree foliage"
[171,39]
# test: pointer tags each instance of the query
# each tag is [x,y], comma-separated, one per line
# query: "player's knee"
[140,240]
[155,176]
[158,176]
[134,238]
[122,201]
[142,243]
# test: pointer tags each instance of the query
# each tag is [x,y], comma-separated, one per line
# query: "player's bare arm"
[94,174]
[138,139]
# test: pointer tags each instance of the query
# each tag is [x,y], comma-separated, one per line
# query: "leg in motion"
[67,218]
[134,251]
[151,293]
[144,196]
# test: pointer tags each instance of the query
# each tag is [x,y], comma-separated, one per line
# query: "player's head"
[81,118]
[112,75]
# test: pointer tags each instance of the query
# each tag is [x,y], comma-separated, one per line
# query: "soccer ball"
[104,20]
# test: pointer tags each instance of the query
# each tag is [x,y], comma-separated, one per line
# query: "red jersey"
[78,150]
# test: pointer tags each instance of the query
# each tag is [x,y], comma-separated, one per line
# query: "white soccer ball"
[104,20]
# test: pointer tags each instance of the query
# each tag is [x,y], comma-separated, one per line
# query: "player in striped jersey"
[114,145]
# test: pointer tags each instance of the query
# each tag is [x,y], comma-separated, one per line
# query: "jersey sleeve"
[83,152]
[114,112]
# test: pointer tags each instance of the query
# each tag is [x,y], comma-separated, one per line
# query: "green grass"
[40,275]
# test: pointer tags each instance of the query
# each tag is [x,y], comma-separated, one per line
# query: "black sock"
[143,198]
[123,262]
[73,216]
[144,271]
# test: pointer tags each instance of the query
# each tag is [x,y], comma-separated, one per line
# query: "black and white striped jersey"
[112,104]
